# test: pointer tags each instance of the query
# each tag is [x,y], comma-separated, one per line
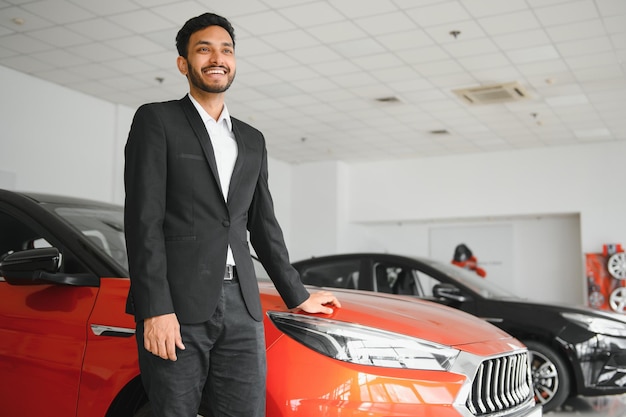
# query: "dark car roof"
[43,198]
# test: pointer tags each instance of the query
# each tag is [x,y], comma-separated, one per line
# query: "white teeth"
[216,71]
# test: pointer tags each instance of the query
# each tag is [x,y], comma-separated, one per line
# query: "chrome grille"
[500,384]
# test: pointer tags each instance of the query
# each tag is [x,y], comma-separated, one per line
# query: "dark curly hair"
[198,23]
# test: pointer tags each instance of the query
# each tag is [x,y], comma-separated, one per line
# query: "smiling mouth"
[214,70]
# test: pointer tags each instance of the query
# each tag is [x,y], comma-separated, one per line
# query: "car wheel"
[616,265]
[551,381]
[617,300]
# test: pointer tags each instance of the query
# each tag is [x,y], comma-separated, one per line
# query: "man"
[196,185]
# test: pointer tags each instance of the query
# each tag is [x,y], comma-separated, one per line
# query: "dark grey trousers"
[223,360]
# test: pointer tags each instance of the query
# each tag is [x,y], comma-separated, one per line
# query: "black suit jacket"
[178,225]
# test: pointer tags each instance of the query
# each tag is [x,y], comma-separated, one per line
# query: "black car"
[574,350]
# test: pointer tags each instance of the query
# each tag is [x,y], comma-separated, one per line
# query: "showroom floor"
[610,406]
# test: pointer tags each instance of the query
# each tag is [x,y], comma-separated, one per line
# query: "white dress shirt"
[224,148]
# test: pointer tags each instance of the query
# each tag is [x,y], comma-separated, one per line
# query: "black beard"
[196,81]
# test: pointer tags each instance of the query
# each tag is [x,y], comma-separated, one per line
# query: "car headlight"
[598,324]
[364,345]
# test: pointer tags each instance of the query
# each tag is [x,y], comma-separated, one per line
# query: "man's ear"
[181,63]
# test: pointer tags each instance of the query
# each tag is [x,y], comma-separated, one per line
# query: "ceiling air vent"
[491,94]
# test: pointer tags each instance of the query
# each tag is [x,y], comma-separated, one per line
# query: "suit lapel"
[241,153]
[198,127]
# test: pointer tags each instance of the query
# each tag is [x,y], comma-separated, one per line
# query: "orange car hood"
[406,315]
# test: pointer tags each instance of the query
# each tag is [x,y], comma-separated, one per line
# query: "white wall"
[582,179]
[55,140]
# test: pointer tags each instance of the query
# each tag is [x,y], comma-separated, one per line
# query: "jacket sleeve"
[267,239]
[145,176]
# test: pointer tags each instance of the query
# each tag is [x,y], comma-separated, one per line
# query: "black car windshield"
[470,279]
[104,226]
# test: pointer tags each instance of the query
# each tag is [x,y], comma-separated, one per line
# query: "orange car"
[67,347]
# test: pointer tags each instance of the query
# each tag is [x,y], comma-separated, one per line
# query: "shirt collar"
[206,117]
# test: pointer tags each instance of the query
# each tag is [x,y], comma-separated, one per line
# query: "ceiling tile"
[4,53]
[592,60]
[541,53]
[61,58]
[265,22]
[386,23]
[58,11]
[98,29]
[437,14]
[408,39]
[23,43]
[142,21]
[509,23]
[316,54]
[359,8]
[30,21]
[615,24]
[105,8]
[486,61]
[378,61]
[584,46]
[359,47]
[128,65]
[435,68]
[26,64]
[609,72]
[521,40]
[234,9]
[289,40]
[471,47]
[58,36]
[579,30]
[427,54]
[60,76]
[573,11]
[100,54]
[337,32]
[611,7]
[135,46]
[311,14]
[91,71]
[482,8]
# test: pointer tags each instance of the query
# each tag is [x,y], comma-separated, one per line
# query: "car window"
[425,284]
[395,279]
[104,227]
[336,274]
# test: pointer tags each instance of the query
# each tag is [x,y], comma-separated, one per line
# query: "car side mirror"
[40,266]
[449,291]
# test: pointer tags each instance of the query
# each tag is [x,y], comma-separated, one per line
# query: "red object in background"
[464,258]
[611,248]
[604,291]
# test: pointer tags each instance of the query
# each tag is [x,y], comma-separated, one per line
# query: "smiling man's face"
[210,65]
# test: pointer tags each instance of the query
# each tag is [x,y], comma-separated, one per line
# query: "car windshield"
[471,280]
[104,226]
